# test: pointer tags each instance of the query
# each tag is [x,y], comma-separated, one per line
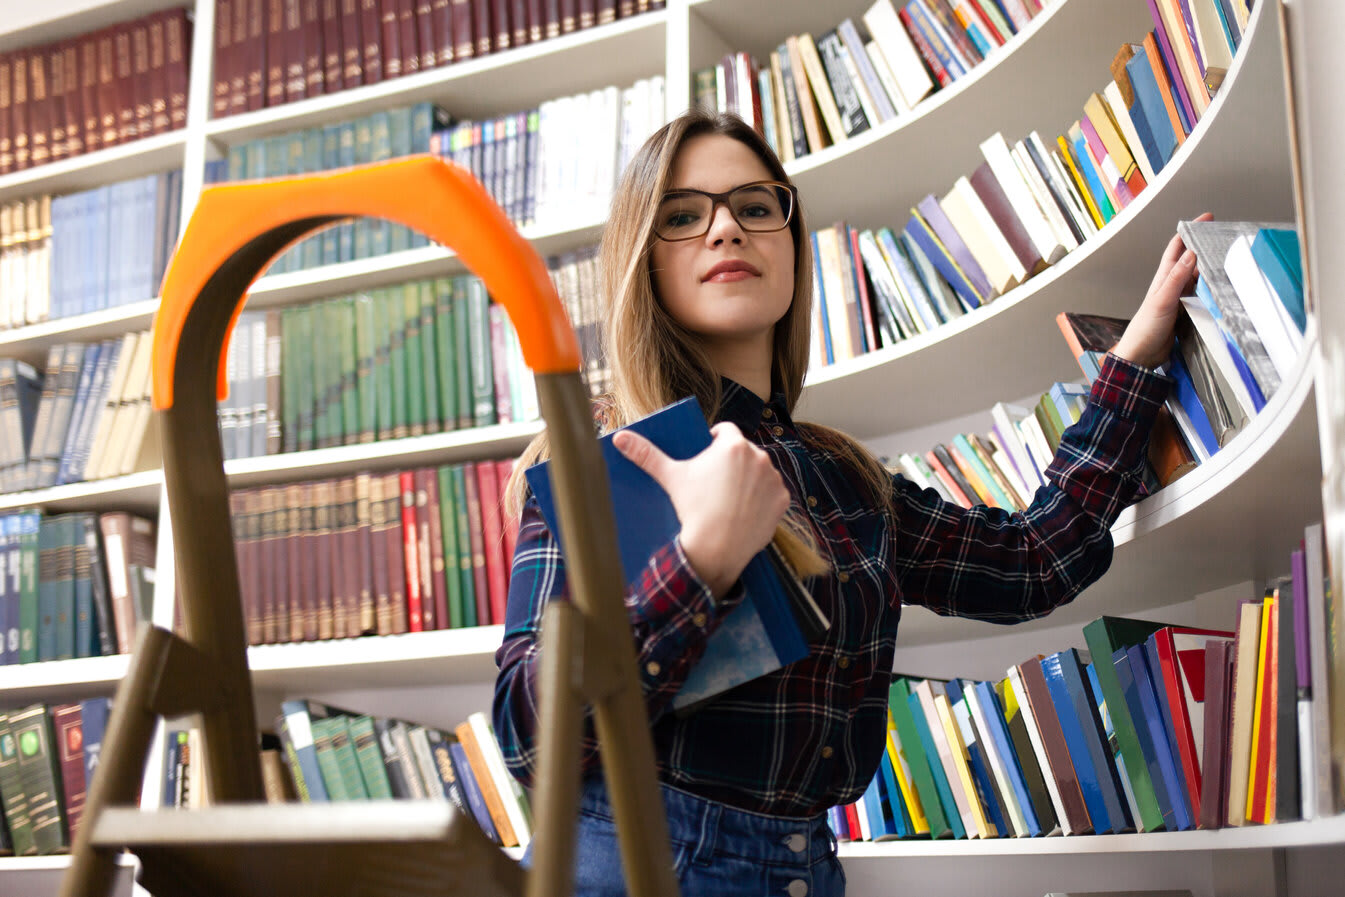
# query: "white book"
[1006,418]
[1034,736]
[885,76]
[1216,347]
[928,706]
[833,288]
[1029,428]
[511,794]
[1209,35]
[998,764]
[982,236]
[908,69]
[1111,95]
[957,742]
[866,101]
[783,130]
[1319,665]
[1263,307]
[996,151]
[1002,460]
[1065,185]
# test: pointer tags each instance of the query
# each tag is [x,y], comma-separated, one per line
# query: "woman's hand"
[1147,340]
[729,498]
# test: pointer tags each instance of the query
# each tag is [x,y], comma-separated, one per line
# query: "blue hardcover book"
[1130,689]
[871,806]
[173,745]
[1145,132]
[1277,255]
[299,731]
[820,299]
[1109,743]
[145,278]
[949,238]
[1163,750]
[758,636]
[981,774]
[1169,729]
[100,241]
[999,734]
[1104,812]
[9,593]
[901,266]
[923,23]
[1150,100]
[85,615]
[1244,370]
[85,392]
[330,251]
[894,803]
[946,798]
[1095,734]
[471,789]
[1084,162]
[93,714]
[1184,391]
[918,232]
[75,458]
[836,821]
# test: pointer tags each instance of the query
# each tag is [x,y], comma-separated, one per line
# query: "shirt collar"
[744,408]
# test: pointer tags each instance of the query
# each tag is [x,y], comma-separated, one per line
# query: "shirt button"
[796,842]
[777,431]
[843,663]
[843,576]
[768,414]
[652,668]
[698,620]
[812,501]
[827,752]
[797,888]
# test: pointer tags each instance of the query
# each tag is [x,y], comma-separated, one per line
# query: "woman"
[707,278]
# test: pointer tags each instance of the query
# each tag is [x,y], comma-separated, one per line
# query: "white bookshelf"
[1232,521]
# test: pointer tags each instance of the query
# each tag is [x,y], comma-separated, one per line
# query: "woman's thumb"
[643,454]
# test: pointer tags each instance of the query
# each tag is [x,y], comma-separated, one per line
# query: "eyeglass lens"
[759,208]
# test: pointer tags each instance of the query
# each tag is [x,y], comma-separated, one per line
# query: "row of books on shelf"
[109,87]
[73,585]
[817,92]
[269,54]
[374,553]
[48,757]
[87,416]
[1152,727]
[87,251]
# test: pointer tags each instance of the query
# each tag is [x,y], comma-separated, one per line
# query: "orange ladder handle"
[237,229]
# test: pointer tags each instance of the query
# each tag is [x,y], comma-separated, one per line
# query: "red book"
[441,30]
[275,52]
[423,563]
[352,48]
[56,101]
[277,572]
[407,36]
[867,312]
[371,33]
[429,47]
[330,615]
[315,51]
[852,820]
[504,470]
[254,62]
[158,75]
[296,547]
[88,92]
[140,87]
[410,552]
[295,43]
[483,27]
[1181,656]
[225,61]
[39,109]
[476,540]
[74,100]
[518,22]
[569,16]
[492,532]
[67,721]
[333,50]
[391,38]
[438,563]
[926,51]
[123,74]
[464,33]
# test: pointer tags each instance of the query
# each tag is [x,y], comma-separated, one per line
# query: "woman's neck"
[747,364]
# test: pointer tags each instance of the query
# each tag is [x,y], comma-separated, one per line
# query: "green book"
[12,796]
[346,759]
[27,525]
[320,347]
[40,777]
[1048,417]
[462,356]
[401,406]
[382,367]
[374,773]
[324,732]
[466,575]
[968,453]
[48,588]
[275,152]
[290,376]
[303,340]
[87,643]
[1105,636]
[482,371]
[332,352]
[922,779]
[444,353]
[349,372]
[364,368]
[429,362]
[415,381]
[448,519]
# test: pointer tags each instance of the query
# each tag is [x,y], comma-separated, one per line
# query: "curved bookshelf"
[1011,347]
[137,492]
[618,53]
[148,155]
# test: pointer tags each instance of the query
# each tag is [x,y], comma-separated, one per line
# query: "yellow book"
[1259,809]
[983,826]
[915,809]
[1106,172]
[1079,184]
[1240,730]
[1100,117]
[925,695]
[817,77]
[813,129]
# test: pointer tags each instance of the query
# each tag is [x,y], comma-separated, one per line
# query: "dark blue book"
[918,232]
[758,636]
[1163,750]
[950,239]
[1150,101]
[1103,807]
[298,733]
[981,774]
[894,804]
[174,744]
[1076,680]
[93,714]
[1003,743]
[1184,392]
[1169,731]
[471,790]
[1130,689]
[946,798]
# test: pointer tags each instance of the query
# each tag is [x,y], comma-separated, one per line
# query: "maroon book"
[67,721]
[18,110]
[177,45]
[349,558]
[536,21]
[333,47]
[158,76]
[56,141]
[392,39]
[39,109]
[236,76]
[425,42]
[441,30]
[408,36]
[276,568]
[492,537]
[107,90]
[364,549]
[331,611]
[476,539]
[629,8]
[1053,743]
[551,16]
[257,524]
[483,28]
[140,89]
[1214,748]
[295,50]
[996,202]
[275,52]
[123,76]
[501,30]
[464,34]
[225,59]
[518,22]
[292,499]
[607,11]
[569,16]
[239,511]
[397,585]
[371,33]
[254,60]
[379,568]
[438,563]
[315,54]
[86,52]
[588,13]
[352,46]
[6,105]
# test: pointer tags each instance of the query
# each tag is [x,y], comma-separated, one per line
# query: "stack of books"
[1151,727]
[73,585]
[86,93]
[819,91]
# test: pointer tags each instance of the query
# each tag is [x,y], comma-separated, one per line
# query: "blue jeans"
[717,849]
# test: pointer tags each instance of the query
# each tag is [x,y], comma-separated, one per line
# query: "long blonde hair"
[655,360]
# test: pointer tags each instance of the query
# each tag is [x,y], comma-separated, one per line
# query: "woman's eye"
[681,219]
[755,210]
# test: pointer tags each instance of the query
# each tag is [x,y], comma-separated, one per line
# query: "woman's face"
[729,286]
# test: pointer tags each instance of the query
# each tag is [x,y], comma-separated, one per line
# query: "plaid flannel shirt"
[809,736]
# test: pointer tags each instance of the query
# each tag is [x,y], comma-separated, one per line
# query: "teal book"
[760,635]
[1277,255]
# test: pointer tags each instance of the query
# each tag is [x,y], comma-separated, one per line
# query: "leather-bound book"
[18,111]
[294,40]
[225,59]
[483,26]
[315,54]
[371,34]
[74,99]
[425,41]
[364,544]
[391,35]
[519,25]
[158,76]
[87,51]
[123,74]
[39,109]
[56,145]
[140,89]
[235,73]
[464,34]
[6,104]
[333,49]
[254,67]
[501,29]
[408,36]
[352,44]
[441,30]
[569,16]
[275,52]
[606,12]
[588,13]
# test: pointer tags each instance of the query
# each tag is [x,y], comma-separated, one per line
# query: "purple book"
[938,222]
[1191,33]
[1302,661]
[1119,185]
[1170,60]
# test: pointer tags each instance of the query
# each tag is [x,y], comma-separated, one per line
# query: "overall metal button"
[797,888]
[796,842]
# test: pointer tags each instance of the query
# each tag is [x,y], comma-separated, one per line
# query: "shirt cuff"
[1129,390]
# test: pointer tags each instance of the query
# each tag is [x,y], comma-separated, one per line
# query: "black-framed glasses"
[760,207]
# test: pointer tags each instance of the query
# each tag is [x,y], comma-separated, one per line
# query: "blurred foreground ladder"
[241,845]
